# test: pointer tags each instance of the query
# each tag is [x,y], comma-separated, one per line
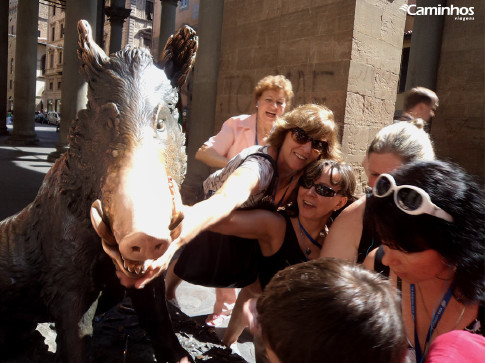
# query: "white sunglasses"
[408,198]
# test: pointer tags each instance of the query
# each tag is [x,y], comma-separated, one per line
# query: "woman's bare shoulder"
[345,233]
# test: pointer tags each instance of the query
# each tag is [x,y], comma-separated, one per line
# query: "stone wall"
[344,54]
[373,76]
[458,130]
[308,41]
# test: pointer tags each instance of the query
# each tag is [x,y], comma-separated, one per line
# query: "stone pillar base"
[53,156]
[17,139]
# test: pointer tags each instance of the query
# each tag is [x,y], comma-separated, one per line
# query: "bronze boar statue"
[120,175]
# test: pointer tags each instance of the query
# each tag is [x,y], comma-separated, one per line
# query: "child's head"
[331,310]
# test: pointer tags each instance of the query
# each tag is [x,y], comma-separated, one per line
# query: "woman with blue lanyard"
[293,235]
[272,96]
[259,175]
[429,215]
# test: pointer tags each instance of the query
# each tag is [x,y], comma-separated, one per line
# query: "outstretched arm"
[345,233]
[233,193]
[239,186]
[265,226]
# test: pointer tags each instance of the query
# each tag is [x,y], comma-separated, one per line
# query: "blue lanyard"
[434,322]
[276,188]
[256,131]
[277,179]
[315,243]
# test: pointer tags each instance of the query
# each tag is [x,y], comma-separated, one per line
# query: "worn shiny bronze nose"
[140,246]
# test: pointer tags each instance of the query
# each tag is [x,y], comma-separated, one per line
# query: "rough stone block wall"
[373,76]
[458,130]
[341,53]
[307,41]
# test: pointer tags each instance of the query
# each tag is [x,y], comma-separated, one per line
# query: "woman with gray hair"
[351,237]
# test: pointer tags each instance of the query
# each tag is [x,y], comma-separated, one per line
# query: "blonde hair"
[316,120]
[277,82]
[406,140]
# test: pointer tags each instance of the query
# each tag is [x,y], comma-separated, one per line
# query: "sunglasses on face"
[408,198]
[321,189]
[301,137]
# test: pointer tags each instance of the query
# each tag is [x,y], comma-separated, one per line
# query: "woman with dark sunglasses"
[272,97]
[430,216]
[294,235]
[352,238]
[249,179]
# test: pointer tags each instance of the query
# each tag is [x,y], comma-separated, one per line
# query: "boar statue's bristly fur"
[126,158]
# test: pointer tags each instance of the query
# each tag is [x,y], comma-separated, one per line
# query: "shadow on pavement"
[22,170]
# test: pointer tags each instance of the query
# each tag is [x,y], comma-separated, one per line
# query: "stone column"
[425,47]
[116,15]
[74,91]
[99,38]
[25,68]
[167,22]
[373,73]
[203,110]
[3,66]
[345,54]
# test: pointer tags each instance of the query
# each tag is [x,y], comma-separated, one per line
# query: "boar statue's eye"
[160,124]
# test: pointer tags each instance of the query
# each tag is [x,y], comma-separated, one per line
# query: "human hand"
[184,360]
[251,316]
[195,221]
[157,267]
[186,230]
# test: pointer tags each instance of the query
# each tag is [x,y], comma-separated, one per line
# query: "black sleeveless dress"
[289,254]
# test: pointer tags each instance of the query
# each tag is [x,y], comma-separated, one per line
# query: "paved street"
[22,169]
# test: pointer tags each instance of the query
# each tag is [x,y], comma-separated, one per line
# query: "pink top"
[237,133]
[457,346]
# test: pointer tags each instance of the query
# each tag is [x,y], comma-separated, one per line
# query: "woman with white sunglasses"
[351,237]
[430,216]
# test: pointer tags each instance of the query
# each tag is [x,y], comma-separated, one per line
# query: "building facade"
[137,28]
[54,57]
[41,55]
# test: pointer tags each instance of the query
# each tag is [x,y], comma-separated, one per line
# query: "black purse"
[215,260]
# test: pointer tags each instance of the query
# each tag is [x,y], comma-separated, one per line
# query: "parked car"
[53,118]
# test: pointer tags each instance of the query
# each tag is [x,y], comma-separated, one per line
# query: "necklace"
[422,300]
[437,313]
[277,179]
[308,251]
[429,315]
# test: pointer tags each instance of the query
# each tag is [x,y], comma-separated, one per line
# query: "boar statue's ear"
[91,56]
[101,228]
[178,56]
